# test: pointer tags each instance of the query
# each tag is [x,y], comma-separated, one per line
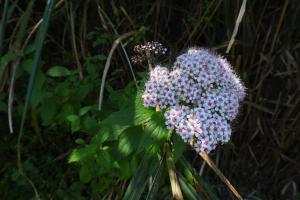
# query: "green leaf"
[90,125]
[84,110]
[40,43]
[202,187]
[3,24]
[104,160]
[7,58]
[78,155]
[156,181]
[79,141]
[85,174]
[29,49]
[156,127]
[4,60]
[58,71]
[179,146]
[188,189]
[130,139]
[135,114]
[75,122]
[138,182]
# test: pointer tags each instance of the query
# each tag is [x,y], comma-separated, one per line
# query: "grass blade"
[188,189]
[17,44]
[3,24]
[201,186]
[138,182]
[107,65]
[155,183]
[39,46]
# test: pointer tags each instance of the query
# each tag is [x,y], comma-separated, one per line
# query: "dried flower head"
[148,51]
[201,94]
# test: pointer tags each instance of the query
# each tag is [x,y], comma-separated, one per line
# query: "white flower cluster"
[201,94]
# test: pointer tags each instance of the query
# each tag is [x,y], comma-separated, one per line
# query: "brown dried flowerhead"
[148,52]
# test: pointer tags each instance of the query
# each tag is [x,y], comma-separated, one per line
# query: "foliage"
[71,150]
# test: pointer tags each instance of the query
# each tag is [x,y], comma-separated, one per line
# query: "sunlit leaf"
[130,140]
[156,127]
[135,114]
[82,153]
[84,110]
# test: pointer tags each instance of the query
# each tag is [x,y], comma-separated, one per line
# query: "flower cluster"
[149,50]
[150,47]
[201,94]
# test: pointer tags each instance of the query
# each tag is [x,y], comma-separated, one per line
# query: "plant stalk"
[177,194]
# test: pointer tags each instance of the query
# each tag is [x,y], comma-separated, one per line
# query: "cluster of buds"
[148,51]
[201,95]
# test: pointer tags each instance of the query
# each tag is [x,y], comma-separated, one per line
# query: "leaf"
[40,43]
[176,190]
[135,114]
[90,125]
[104,160]
[4,60]
[85,174]
[130,139]
[84,110]
[200,185]
[157,179]
[75,122]
[139,180]
[58,71]
[156,128]
[187,189]
[179,146]
[79,141]
[78,155]
[3,24]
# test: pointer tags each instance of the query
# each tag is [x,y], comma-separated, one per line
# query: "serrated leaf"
[135,114]
[58,71]
[78,155]
[130,139]
[156,127]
